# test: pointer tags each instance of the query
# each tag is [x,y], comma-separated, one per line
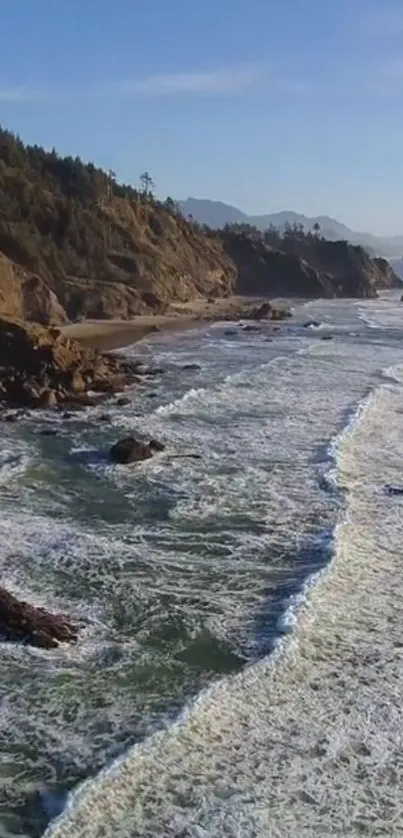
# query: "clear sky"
[265,104]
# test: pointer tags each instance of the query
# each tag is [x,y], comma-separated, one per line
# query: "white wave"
[316,731]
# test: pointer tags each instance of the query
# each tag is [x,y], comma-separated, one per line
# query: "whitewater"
[241,670]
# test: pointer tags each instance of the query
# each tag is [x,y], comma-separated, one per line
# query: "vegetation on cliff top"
[88,246]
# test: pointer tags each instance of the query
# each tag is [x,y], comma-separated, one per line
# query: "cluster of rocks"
[249,311]
[40,367]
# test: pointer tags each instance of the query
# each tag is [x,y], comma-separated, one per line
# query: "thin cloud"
[215,82]
[221,82]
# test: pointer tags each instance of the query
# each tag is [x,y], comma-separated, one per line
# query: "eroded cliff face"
[26,296]
[77,244]
[306,266]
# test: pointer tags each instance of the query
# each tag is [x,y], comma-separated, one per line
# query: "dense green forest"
[55,213]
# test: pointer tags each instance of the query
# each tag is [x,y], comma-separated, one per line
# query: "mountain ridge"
[217,214]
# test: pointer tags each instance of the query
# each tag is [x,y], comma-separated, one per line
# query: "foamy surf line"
[305,744]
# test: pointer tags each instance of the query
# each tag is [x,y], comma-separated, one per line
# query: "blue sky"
[292,104]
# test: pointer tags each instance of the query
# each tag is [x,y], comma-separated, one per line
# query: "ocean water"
[240,671]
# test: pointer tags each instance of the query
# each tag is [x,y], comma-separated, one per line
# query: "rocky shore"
[40,367]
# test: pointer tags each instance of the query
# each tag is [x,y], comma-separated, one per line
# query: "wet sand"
[112,334]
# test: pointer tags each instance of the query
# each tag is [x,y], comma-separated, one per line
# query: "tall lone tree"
[147,183]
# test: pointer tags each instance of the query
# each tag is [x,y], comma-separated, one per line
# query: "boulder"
[122,401]
[191,367]
[131,450]
[24,622]
[312,324]
[262,311]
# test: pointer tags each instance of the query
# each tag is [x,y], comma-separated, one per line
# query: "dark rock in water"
[122,401]
[11,417]
[327,337]
[155,445]
[131,450]
[142,369]
[48,432]
[24,622]
[250,328]
[394,490]
[312,324]
[104,417]
[190,367]
[269,340]
[152,395]
[230,332]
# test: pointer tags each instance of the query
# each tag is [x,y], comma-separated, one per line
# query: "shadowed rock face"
[21,621]
[311,266]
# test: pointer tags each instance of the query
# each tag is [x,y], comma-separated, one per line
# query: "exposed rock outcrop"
[26,296]
[40,367]
[24,622]
[305,266]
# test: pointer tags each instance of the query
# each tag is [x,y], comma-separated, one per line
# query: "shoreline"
[108,335]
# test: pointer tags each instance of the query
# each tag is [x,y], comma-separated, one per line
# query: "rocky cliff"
[104,250]
[299,264]
[74,243]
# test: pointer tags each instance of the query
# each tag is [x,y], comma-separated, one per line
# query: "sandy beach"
[112,334]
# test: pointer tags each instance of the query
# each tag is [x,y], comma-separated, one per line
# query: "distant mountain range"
[216,214]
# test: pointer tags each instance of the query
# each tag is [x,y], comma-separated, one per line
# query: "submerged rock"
[131,450]
[190,367]
[24,622]
[250,328]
